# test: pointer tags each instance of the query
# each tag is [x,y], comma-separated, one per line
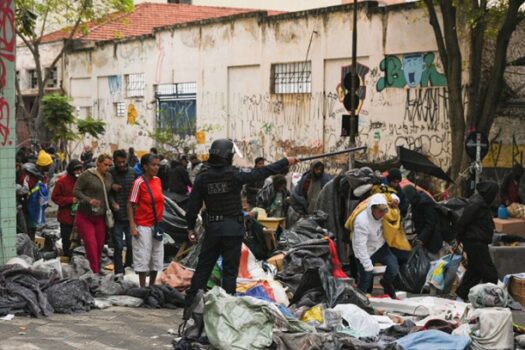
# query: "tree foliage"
[35,18]
[486,27]
[90,126]
[59,117]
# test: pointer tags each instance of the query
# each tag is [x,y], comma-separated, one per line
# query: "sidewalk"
[110,329]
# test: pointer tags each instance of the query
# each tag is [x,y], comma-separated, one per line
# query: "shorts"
[148,253]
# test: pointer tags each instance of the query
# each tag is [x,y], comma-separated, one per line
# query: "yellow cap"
[44,159]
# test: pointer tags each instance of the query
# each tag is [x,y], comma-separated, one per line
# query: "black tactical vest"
[222,192]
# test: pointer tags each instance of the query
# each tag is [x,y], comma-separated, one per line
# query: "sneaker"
[388,288]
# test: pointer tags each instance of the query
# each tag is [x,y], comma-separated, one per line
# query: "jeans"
[383,256]
[229,247]
[121,237]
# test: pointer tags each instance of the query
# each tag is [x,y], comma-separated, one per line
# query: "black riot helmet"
[221,152]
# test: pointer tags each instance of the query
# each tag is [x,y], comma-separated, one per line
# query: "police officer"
[219,187]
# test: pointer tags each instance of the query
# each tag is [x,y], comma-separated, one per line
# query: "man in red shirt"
[63,196]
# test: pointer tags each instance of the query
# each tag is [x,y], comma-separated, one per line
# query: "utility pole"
[354,83]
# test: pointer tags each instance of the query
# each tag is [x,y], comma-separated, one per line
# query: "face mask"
[77,175]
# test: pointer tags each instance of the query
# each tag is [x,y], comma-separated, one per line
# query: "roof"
[144,19]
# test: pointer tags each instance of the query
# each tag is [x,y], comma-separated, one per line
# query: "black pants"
[65,233]
[122,237]
[480,268]
[214,246]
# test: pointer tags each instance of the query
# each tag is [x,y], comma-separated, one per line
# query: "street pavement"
[109,329]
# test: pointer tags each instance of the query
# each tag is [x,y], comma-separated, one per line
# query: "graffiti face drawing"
[413,66]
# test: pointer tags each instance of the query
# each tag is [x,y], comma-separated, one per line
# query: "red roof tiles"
[144,19]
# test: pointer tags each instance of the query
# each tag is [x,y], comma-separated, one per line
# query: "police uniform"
[220,189]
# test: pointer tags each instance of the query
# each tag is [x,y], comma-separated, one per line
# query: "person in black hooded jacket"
[426,219]
[475,229]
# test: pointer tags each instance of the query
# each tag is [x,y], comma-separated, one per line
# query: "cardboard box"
[277,261]
[512,226]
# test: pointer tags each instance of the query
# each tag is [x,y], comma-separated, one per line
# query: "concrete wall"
[7,133]
[231,64]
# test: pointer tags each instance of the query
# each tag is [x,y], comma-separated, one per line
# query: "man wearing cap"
[63,196]
[219,188]
[34,188]
[369,246]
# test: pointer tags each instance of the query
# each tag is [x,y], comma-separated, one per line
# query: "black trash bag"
[255,240]
[413,274]
[336,291]
[308,255]
[158,296]
[174,221]
[70,296]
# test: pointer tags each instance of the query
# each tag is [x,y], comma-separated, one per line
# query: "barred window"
[135,85]
[120,109]
[52,77]
[176,89]
[291,78]
[33,79]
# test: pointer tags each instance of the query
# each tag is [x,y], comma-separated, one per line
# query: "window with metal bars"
[135,85]
[52,77]
[33,79]
[120,109]
[176,89]
[291,78]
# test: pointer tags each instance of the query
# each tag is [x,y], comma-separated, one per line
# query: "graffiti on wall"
[7,58]
[410,70]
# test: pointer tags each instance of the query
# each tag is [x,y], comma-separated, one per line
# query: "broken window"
[135,85]
[52,77]
[33,79]
[291,78]
[120,109]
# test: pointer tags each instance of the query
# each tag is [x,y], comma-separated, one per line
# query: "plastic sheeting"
[488,295]
[246,325]
[489,328]
[433,339]
[363,324]
[319,286]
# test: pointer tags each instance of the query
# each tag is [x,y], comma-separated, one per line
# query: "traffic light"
[347,83]
[351,101]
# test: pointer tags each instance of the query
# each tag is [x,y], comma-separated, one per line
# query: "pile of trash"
[299,297]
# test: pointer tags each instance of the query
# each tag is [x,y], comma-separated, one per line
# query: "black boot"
[388,288]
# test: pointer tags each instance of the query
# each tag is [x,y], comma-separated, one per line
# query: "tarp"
[410,160]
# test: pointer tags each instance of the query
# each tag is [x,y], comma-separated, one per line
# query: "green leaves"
[91,126]
[60,119]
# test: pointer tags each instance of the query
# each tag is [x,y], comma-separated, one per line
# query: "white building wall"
[231,64]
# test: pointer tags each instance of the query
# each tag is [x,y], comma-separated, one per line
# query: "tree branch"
[517,62]
[490,101]
[43,26]
[476,48]
[433,19]
[26,41]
